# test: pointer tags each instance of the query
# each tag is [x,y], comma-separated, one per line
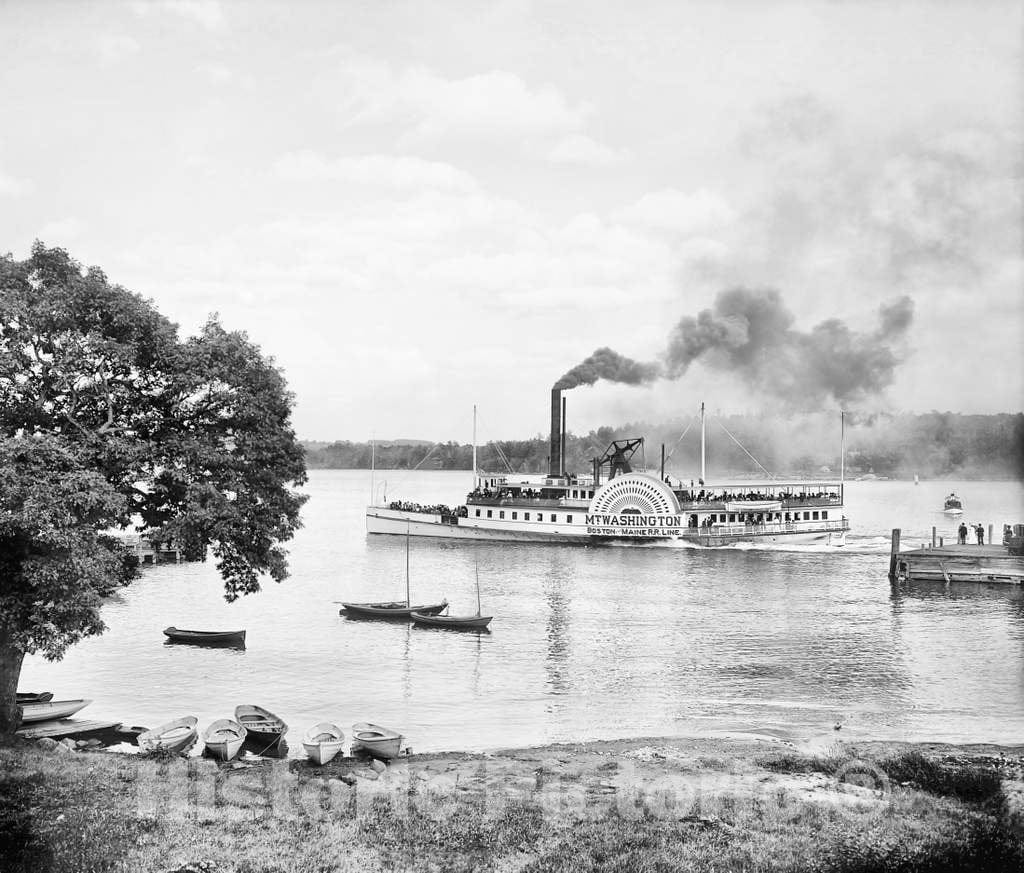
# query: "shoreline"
[662,802]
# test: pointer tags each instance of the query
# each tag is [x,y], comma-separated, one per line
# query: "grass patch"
[967,783]
[797,764]
[454,834]
[976,843]
[97,812]
[58,815]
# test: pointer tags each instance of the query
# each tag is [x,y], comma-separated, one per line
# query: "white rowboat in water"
[381,742]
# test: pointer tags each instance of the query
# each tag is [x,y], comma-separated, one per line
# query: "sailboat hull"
[389,611]
[453,622]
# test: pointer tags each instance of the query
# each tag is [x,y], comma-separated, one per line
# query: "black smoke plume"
[750,334]
[611,366]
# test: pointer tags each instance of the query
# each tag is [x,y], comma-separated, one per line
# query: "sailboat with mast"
[395,610]
[457,622]
[617,504]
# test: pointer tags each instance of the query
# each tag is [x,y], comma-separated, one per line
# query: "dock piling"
[893,552]
[933,536]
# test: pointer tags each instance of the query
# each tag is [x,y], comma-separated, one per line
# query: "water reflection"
[556,658]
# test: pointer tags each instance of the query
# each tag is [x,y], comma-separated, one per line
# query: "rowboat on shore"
[51,710]
[174,737]
[23,697]
[224,738]
[381,742]
[205,638]
[261,724]
[323,741]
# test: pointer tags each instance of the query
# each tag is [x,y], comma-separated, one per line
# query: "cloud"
[391,171]
[488,105]
[217,73]
[113,47]
[206,13]
[13,187]
[61,231]
[582,150]
[680,212]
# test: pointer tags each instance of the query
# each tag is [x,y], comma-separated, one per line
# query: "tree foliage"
[107,420]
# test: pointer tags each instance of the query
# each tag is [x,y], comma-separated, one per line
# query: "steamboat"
[615,504]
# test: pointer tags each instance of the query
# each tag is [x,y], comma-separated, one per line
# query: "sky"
[418,207]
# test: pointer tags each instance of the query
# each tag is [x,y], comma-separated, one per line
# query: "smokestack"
[555,467]
[563,438]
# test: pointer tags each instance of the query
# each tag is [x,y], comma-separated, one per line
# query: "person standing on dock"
[962,533]
[980,531]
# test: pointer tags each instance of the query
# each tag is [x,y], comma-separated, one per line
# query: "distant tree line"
[897,446]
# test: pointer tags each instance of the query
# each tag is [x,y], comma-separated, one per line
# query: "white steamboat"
[615,504]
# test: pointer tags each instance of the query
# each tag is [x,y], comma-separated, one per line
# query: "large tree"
[109,421]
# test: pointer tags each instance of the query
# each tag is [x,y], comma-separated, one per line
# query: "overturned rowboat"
[53,709]
[23,697]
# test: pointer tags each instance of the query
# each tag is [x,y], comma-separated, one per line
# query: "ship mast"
[373,466]
[842,453]
[702,455]
[474,447]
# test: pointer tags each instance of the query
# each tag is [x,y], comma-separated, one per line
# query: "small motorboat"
[262,725]
[380,742]
[453,622]
[205,638]
[24,697]
[953,505]
[323,741]
[395,611]
[174,737]
[53,709]
[224,738]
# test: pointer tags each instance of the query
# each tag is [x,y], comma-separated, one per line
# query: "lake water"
[587,642]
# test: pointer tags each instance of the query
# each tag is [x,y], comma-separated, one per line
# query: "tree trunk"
[10,672]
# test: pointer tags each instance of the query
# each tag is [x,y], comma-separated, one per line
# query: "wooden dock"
[956,563]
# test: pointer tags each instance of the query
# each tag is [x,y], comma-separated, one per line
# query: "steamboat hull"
[380,520]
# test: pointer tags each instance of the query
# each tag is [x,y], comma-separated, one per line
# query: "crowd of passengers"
[703,496]
[432,509]
[687,495]
[504,493]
